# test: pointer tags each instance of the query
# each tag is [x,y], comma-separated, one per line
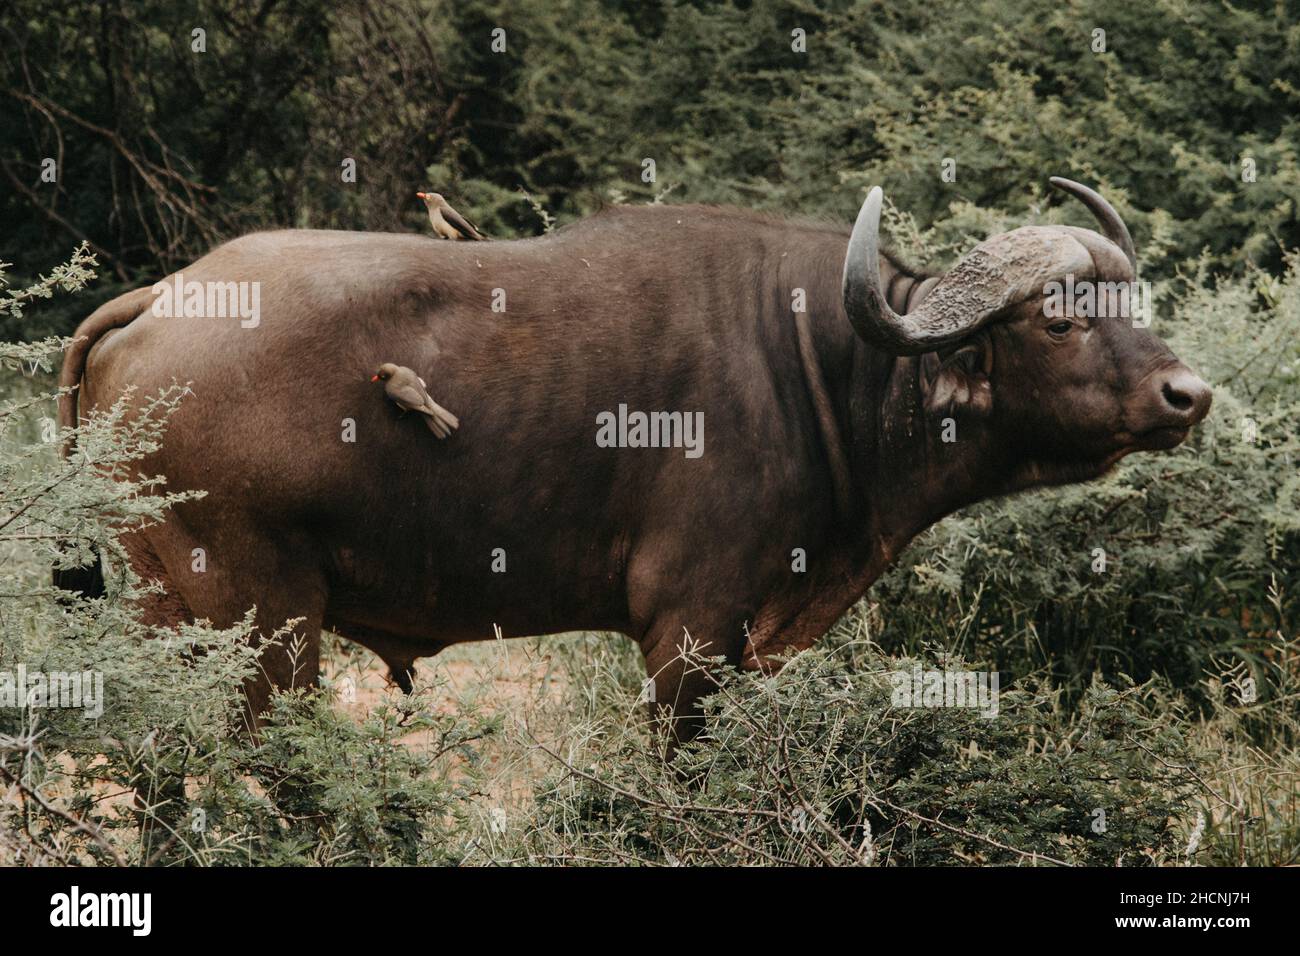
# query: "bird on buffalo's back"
[408,392]
[447,222]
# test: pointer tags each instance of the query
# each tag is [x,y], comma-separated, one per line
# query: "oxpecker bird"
[447,222]
[408,392]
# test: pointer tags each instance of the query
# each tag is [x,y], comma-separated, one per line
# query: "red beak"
[374,378]
[419,195]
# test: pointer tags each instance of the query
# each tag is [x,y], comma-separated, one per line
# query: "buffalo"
[837,403]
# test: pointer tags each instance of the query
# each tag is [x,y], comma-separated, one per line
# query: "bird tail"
[440,421]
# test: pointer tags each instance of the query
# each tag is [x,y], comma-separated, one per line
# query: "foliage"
[818,764]
[252,132]
[815,766]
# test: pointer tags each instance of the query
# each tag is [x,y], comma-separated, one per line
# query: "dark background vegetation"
[1130,686]
[164,151]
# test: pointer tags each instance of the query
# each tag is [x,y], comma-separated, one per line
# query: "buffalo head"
[1000,343]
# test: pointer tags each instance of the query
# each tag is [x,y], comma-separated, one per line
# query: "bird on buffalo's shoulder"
[408,392]
[447,222]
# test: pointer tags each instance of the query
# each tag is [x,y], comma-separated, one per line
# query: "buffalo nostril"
[1178,399]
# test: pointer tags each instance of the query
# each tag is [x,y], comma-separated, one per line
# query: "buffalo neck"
[902,476]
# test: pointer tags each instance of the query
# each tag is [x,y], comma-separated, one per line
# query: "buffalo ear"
[959,379]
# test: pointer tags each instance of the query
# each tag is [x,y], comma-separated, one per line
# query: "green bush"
[818,764]
[251,133]
[815,765]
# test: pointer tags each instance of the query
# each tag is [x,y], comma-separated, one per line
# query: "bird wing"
[460,223]
[408,396]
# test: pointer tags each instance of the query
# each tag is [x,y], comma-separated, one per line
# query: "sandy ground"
[516,679]
[501,674]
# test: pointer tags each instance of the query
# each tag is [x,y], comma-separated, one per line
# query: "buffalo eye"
[1060,329]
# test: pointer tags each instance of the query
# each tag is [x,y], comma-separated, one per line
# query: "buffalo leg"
[160,799]
[294,659]
[244,569]
[680,674]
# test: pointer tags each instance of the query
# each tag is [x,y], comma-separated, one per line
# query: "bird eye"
[1060,328]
